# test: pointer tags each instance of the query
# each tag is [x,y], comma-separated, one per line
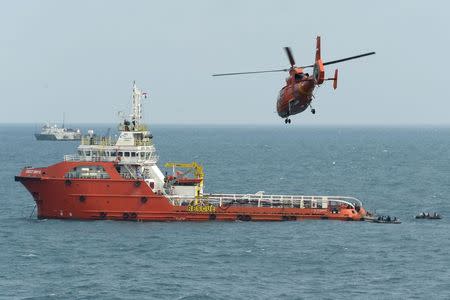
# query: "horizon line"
[384,125]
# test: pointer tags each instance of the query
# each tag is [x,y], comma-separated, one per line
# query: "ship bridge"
[128,148]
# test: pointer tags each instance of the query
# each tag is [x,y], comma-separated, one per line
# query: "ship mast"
[136,115]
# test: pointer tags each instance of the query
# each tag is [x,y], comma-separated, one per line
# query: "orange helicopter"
[297,94]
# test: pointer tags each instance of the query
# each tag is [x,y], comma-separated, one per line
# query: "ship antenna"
[64,116]
[136,115]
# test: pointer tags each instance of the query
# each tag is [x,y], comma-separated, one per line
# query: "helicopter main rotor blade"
[290,56]
[341,60]
[348,58]
[253,72]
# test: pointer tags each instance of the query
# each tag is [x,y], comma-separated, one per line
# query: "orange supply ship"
[118,179]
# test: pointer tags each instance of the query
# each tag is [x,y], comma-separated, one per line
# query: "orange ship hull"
[116,198]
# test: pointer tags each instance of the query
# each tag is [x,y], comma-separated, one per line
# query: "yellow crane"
[194,167]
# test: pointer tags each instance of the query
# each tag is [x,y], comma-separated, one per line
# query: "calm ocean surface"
[395,171]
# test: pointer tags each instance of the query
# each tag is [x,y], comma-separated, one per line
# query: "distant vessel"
[55,133]
[428,216]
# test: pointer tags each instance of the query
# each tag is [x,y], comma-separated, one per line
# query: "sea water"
[394,171]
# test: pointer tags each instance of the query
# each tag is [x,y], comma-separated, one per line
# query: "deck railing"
[123,160]
[262,200]
[108,141]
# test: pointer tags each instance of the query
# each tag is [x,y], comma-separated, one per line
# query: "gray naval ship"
[55,133]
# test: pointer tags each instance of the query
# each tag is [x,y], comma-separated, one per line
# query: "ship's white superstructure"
[132,150]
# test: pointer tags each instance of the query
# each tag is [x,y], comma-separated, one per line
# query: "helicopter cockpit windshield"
[299,76]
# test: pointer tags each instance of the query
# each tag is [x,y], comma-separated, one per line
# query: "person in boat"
[388,218]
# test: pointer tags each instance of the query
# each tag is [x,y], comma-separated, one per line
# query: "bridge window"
[127,154]
[133,154]
[91,172]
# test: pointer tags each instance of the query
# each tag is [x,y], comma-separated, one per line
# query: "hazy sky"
[80,57]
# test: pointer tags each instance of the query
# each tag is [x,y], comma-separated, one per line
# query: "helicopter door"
[292,105]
